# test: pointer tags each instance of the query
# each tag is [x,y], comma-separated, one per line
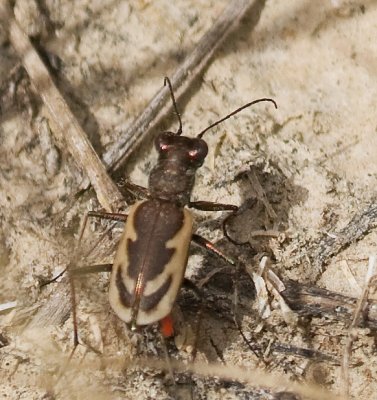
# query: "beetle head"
[179,157]
[173,177]
[190,151]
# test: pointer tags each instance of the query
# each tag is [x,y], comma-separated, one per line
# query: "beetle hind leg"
[210,247]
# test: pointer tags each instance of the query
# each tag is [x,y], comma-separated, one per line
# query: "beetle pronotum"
[152,254]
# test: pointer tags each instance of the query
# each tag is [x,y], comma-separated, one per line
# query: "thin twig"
[76,139]
[260,193]
[8,306]
[56,310]
[358,227]
[309,300]
[183,78]
[306,300]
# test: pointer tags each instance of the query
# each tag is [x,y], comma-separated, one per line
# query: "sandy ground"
[314,157]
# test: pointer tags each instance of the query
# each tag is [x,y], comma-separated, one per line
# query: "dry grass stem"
[182,78]
[74,136]
[253,377]
[311,300]
[370,278]
[329,246]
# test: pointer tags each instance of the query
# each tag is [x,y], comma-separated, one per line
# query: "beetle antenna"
[234,113]
[167,81]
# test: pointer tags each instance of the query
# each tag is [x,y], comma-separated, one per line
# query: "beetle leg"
[192,286]
[212,206]
[225,230]
[102,215]
[97,268]
[105,215]
[98,214]
[137,190]
[113,216]
[206,244]
[166,351]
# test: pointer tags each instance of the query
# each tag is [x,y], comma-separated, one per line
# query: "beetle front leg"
[137,190]
[211,206]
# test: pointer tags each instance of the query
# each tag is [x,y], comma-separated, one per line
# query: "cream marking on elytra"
[121,261]
[181,243]
[174,269]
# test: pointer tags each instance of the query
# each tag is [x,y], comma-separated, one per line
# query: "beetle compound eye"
[193,153]
[163,142]
[199,152]
[203,149]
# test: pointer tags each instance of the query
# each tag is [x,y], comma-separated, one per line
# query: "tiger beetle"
[152,255]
